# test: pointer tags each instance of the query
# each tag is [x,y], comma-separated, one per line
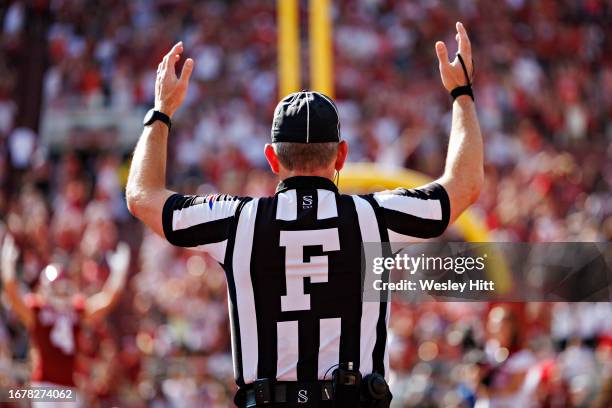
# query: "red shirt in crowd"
[54,336]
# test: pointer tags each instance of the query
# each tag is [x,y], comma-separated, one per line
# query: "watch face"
[148,117]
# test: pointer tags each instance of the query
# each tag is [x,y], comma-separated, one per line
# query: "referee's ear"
[272,158]
[342,155]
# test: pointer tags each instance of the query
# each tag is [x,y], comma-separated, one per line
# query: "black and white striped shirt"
[293,268]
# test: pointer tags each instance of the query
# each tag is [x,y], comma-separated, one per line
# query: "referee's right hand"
[170,90]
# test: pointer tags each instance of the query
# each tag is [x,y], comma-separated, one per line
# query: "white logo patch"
[307,202]
[302,396]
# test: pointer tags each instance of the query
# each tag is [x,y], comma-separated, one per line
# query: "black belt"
[344,389]
[293,392]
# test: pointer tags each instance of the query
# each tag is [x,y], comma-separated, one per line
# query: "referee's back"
[293,266]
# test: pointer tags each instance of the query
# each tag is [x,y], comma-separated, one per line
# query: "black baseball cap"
[306,117]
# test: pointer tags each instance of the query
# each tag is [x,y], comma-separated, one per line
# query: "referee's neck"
[326,173]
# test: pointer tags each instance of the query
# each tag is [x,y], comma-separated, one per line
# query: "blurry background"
[77,76]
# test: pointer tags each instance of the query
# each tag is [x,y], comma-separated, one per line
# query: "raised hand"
[120,259]
[9,256]
[8,262]
[452,73]
[170,90]
[98,305]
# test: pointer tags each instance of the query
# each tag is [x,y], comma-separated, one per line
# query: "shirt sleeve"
[416,213]
[204,223]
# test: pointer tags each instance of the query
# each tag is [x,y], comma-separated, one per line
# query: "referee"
[301,337]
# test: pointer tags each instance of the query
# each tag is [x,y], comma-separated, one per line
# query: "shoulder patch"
[210,199]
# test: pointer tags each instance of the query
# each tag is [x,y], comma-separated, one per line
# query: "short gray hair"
[305,156]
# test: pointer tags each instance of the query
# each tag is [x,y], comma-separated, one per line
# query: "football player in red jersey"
[54,313]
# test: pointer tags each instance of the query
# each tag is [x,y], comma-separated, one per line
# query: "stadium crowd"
[544,95]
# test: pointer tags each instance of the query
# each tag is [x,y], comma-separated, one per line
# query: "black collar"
[306,182]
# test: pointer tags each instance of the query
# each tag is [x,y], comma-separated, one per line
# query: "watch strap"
[162,117]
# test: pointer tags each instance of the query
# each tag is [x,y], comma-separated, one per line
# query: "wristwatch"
[153,115]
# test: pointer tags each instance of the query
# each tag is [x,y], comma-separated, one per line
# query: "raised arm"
[146,190]
[9,255]
[100,304]
[463,174]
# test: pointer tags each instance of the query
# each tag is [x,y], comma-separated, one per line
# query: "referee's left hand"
[451,73]
[170,90]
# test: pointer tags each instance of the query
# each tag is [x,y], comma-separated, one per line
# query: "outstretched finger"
[187,70]
[465,48]
[442,54]
[173,56]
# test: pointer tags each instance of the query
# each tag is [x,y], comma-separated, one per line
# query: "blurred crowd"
[544,95]
[501,355]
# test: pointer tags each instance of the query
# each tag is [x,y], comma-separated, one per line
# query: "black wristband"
[465,89]
[462,90]
[153,115]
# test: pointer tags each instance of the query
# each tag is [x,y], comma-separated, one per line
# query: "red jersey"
[54,336]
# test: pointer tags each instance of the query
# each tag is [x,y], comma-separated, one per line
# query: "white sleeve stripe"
[426,209]
[326,204]
[286,207]
[202,213]
[216,250]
